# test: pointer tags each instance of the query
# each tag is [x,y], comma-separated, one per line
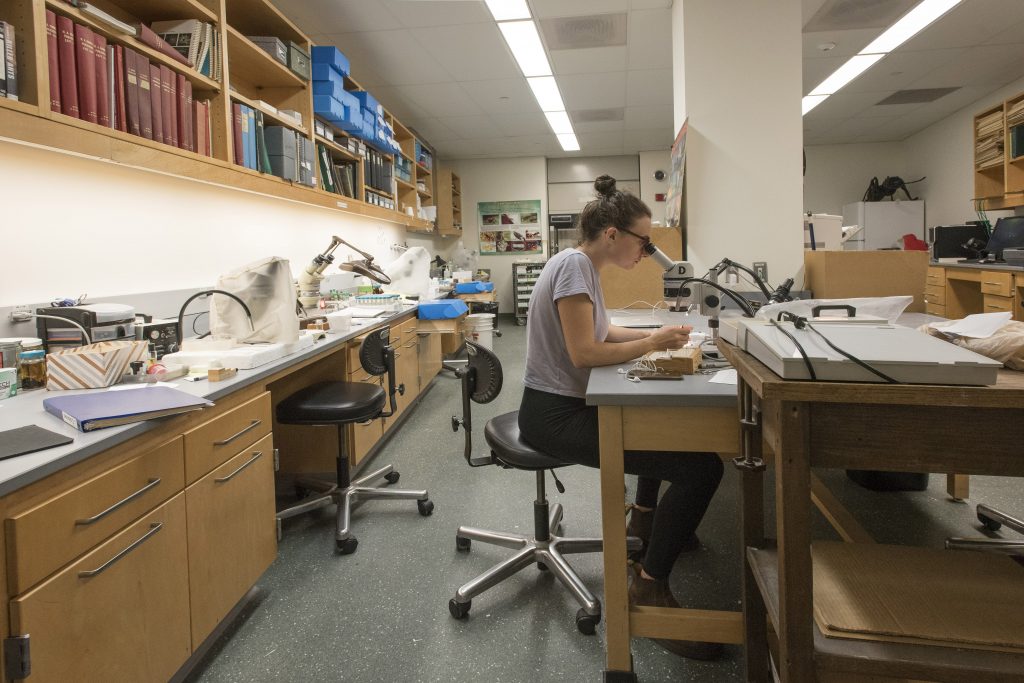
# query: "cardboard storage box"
[273,46]
[847,274]
[298,60]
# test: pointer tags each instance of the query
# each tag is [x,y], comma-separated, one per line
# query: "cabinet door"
[365,435]
[407,374]
[232,537]
[119,613]
[429,358]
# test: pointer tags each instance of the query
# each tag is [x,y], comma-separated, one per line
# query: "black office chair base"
[546,554]
[330,494]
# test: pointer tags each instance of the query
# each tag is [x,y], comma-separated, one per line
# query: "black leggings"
[566,428]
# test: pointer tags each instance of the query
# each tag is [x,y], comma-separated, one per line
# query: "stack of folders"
[99,409]
[1015,123]
[988,150]
[338,176]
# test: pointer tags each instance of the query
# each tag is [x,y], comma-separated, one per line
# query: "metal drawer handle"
[225,442]
[994,284]
[97,517]
[411,344]
[153,528]
[229,477]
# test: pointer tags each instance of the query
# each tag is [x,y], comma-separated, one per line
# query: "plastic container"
[32,369]
[479,328]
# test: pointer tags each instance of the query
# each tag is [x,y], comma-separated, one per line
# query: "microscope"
[308,284]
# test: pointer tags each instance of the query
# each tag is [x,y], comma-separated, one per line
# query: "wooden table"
[974,430]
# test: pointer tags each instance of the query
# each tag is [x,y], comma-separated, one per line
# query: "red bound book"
[184,114]
[53,60]
[236,109]
[199,116]
[131,92]
[68,71]
[119,90]
[190,120]
[156,93]
[170,120]
[85,60]
[102,84]
[148,37]
[145,96]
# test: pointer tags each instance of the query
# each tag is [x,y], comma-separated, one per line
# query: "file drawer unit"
[220,438]
[935,291]
[524,277]
[975,290]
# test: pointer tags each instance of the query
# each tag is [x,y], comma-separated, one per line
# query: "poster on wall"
[510,227]
[674,196]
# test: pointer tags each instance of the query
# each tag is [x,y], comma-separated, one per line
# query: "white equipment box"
[904,354]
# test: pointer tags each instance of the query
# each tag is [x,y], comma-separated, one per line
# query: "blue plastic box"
[367,100]
[333,110]
[442,309]
[474,287]
[332,57]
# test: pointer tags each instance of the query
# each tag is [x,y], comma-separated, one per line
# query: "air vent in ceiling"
[845,15]
[594,115]
[573,33]
[918,96]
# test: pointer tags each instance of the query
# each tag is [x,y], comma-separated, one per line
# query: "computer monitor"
[1007,233]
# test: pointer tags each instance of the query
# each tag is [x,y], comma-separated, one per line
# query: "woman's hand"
[670,337]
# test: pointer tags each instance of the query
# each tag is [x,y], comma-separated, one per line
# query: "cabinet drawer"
[935,276]
[55,532]
[232,537]
[366,434]
[935,309]
[935,294]
[213,442]
[996,304]
[120,613]
[1000,284]
[409,330]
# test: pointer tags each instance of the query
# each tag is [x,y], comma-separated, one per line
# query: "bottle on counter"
[31,366]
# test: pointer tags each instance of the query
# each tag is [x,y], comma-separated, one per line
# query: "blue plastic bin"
[442,309]
[330,56]
[474,287]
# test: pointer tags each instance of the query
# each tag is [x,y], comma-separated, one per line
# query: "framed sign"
[674,196]
[510,227]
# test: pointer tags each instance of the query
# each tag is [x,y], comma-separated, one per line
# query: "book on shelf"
[132,92]
[102,84]
[251,139]
[168,88]
[156,101]
[145,96]
[326,176]
[120,95]
[52,60]
[99,14]
[263,158]
[85,64]
[148,36]
[96,410]
[10,59]
[66,48]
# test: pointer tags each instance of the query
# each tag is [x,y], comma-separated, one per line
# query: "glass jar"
[32,369]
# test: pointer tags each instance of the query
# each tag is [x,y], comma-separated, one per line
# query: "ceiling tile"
[441,100]
[572,8]
[646,140]
[589,60]
[993,65]
[592,142]
[394,101]
[970,23]
[650,4]
[847,43]
[593,91]
[374,50]
[433,130]
[599,126]
[414,13]
[844,105]
[487,95]
[522,124]
[650,39]
[817,70]
[468,53]
[649,118]
[338,16]
[1013,32]
[900,70]
[469,127]
[649,87]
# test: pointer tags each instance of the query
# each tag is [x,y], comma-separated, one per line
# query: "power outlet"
[761,270]
[21,314]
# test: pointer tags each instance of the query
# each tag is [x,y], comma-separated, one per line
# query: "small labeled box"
[298,60]
[331,56]
[273,46]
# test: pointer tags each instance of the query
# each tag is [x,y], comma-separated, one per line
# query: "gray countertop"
[27,408]
[980,266]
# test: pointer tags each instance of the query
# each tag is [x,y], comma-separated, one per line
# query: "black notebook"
[29,440]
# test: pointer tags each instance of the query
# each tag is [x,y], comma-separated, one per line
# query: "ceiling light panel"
[559,122]
[912,23]
[508,10]
[811,101]
[524,41]
[853,67]
[569,142]
[546,91]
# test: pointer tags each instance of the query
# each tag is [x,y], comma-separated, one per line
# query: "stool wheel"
[587,623]
[392,477]
[459,610]
[988,522]
[542,567]
[347,546]
[463,544]
[426,507]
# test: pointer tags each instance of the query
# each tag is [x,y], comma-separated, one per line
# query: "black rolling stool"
[341,404]
[481,383]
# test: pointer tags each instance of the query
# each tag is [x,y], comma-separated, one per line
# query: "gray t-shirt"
[548,365]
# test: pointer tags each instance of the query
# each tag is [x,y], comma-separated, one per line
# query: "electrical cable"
[742,303]
[85,335]
[799,348]
[761,284]
[849,356]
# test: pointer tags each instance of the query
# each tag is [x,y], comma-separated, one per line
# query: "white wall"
[839,174]
[649,163]
[83,225]
[495,180]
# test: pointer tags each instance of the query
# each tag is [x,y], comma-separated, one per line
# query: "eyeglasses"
[645,241]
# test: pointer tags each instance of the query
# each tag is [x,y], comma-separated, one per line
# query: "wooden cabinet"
[365,435]
[215,441]
[935,291]
[449,202]
[973,290]
[429,357]
[120,612]
[247,76]
[998,136]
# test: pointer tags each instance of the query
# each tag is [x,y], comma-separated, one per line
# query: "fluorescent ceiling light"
[854,67]
[524,41]
[546,91]
[811,101]
[912,23]
[559,122]
[568,142]
[506,10]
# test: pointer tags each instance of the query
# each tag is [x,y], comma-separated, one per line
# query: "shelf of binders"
[257,69]
[404,184]
[271,116]
[338,149]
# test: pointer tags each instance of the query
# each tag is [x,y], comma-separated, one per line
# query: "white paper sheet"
[978,326]
[724,377]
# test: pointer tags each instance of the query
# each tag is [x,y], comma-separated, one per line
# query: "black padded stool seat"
[509,448]
[332,403]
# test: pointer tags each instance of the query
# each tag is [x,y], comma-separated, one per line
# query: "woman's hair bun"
[605,185]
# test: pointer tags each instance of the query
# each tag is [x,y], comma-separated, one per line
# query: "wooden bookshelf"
[449,203]
[248,75]
[999,178]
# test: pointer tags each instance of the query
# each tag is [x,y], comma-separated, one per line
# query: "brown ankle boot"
[656,593]
[640,525]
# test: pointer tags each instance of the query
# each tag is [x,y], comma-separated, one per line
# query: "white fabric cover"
[267,288]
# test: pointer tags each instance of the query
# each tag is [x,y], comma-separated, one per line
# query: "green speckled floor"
[382,613]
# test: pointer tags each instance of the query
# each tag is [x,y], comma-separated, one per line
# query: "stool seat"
[328,403]
[509,448]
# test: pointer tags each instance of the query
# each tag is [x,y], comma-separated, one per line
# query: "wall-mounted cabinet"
[449,203]
[234,72]
[998,136]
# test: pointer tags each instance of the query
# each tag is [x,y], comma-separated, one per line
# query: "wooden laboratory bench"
[130,549]
[957,290]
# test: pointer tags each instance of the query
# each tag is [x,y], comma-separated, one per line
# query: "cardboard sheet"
[919,595]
